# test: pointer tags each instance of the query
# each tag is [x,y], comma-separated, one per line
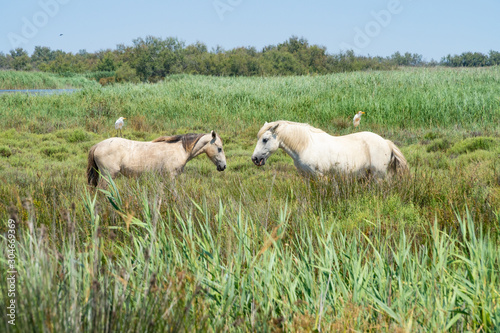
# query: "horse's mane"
[294,135]
[188,140]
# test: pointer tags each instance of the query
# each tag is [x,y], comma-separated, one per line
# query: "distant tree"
[196,59]
[494,58]
[217,50]
[106,64]
[242,62]
[432,63]
[474,59]
[466,59]
[83,53]
[61,64]
[20,59]
[407,59]
[125,73]
[4,61]
[154,56]
[268,48]
[282,63]
[41,56]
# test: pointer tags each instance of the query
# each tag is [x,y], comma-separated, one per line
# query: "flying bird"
[60,35]
[119,124]
[357,118]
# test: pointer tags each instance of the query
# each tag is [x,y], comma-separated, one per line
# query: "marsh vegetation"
[258,249]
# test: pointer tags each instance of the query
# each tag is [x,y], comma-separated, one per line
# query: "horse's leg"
[110,172]
[173,184]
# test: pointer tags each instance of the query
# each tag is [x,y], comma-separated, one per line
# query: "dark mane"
[188,140]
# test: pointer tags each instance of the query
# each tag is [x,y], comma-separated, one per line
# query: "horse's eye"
[265,140]
[220,150]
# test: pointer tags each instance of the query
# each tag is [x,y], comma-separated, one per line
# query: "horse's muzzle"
[221,167]
[258,161]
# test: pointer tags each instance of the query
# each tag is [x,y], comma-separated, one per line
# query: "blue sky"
[431,28]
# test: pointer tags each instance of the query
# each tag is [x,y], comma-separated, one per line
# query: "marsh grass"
[41,80]
[258,249]
[142,263]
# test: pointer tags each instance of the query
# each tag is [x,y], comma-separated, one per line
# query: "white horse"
[317,153]
[166,154]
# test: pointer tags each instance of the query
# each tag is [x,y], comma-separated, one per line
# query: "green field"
[257,249]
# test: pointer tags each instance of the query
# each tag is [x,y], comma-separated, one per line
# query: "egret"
[119,124]
[357,118]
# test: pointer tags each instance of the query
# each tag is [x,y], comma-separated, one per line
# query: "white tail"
[398,162]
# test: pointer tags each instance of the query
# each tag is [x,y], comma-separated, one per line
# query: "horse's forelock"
[263,130]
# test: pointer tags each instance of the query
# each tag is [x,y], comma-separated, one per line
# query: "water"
[38,91]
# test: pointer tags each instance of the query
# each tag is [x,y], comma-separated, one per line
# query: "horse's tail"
[92,168]
[398,162]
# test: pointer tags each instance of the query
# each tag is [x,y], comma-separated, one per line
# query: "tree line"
[153,58]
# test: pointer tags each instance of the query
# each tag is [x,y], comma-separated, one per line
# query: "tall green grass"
[258,249]
[219,269]
[462,99]
[41,80]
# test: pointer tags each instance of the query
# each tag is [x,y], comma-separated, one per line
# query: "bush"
[126,74]
[99,75]
[5,151]
[77,136]
[471,144]
[438,145]
[59,153]
[73,135]
[106,80]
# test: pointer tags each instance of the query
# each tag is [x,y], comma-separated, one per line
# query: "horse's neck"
[292,153]
[198,149]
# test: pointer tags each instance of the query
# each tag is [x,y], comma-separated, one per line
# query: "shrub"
[73,135]
[438,145]
[471,144]
[5,151]
[126,74]
[99,75]
[106,80]
[77,136]
[55,152]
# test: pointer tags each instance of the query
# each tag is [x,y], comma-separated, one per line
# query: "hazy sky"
[431,28]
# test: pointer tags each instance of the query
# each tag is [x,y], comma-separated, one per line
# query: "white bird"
[119,124]
[357,118]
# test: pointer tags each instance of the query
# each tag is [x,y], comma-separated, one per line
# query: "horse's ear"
[273,129]
[214,135]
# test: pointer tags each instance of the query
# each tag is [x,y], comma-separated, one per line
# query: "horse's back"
[112,148]
[358,153]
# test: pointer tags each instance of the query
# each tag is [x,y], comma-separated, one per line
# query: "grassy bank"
[41,80]
[259,248]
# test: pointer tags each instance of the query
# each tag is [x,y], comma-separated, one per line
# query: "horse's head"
[215,152]
[267,144]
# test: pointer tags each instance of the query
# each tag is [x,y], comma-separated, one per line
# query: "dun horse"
[166,154]
[317,153]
